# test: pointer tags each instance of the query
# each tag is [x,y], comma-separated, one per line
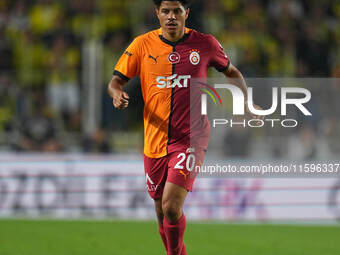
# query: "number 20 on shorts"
[187,160]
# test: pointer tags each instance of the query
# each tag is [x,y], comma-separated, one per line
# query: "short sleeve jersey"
[165,69]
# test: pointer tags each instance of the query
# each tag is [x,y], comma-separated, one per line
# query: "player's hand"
[120,99]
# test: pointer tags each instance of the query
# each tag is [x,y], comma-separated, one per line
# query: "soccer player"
[166,59]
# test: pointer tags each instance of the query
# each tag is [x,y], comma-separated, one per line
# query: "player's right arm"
[115,90]
[127,67]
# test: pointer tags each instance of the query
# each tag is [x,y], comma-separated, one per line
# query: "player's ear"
[157,11]
[187,13]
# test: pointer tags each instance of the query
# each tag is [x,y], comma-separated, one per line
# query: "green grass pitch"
[44,237]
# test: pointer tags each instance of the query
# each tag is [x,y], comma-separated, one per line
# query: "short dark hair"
[185,3]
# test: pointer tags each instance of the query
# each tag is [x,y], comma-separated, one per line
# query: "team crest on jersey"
[194,57]
[174,57]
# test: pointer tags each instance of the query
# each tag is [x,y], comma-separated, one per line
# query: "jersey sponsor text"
[172,81]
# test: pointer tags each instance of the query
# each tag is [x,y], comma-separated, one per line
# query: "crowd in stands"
[41,55]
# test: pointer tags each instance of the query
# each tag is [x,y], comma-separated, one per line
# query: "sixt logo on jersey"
[172,81]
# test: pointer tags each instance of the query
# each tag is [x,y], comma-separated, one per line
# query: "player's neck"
[173,37]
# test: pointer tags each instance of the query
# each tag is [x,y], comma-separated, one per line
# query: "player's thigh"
[183,166]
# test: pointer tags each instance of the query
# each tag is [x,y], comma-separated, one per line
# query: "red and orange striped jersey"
[165,69]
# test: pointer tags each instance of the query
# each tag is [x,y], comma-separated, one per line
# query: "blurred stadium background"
[57,58]
[66,153]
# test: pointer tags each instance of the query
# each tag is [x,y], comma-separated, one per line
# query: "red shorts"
[177,167]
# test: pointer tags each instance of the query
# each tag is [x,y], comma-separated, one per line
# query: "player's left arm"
[235,77]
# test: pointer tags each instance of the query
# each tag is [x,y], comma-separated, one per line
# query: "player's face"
[172,16]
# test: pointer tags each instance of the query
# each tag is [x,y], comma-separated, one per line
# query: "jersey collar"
[186,35]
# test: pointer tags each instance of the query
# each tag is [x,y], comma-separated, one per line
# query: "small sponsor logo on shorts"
[184,174]
[152,187]
[190,150]
[148,179]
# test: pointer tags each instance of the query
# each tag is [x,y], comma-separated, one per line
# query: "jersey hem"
[158,155]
